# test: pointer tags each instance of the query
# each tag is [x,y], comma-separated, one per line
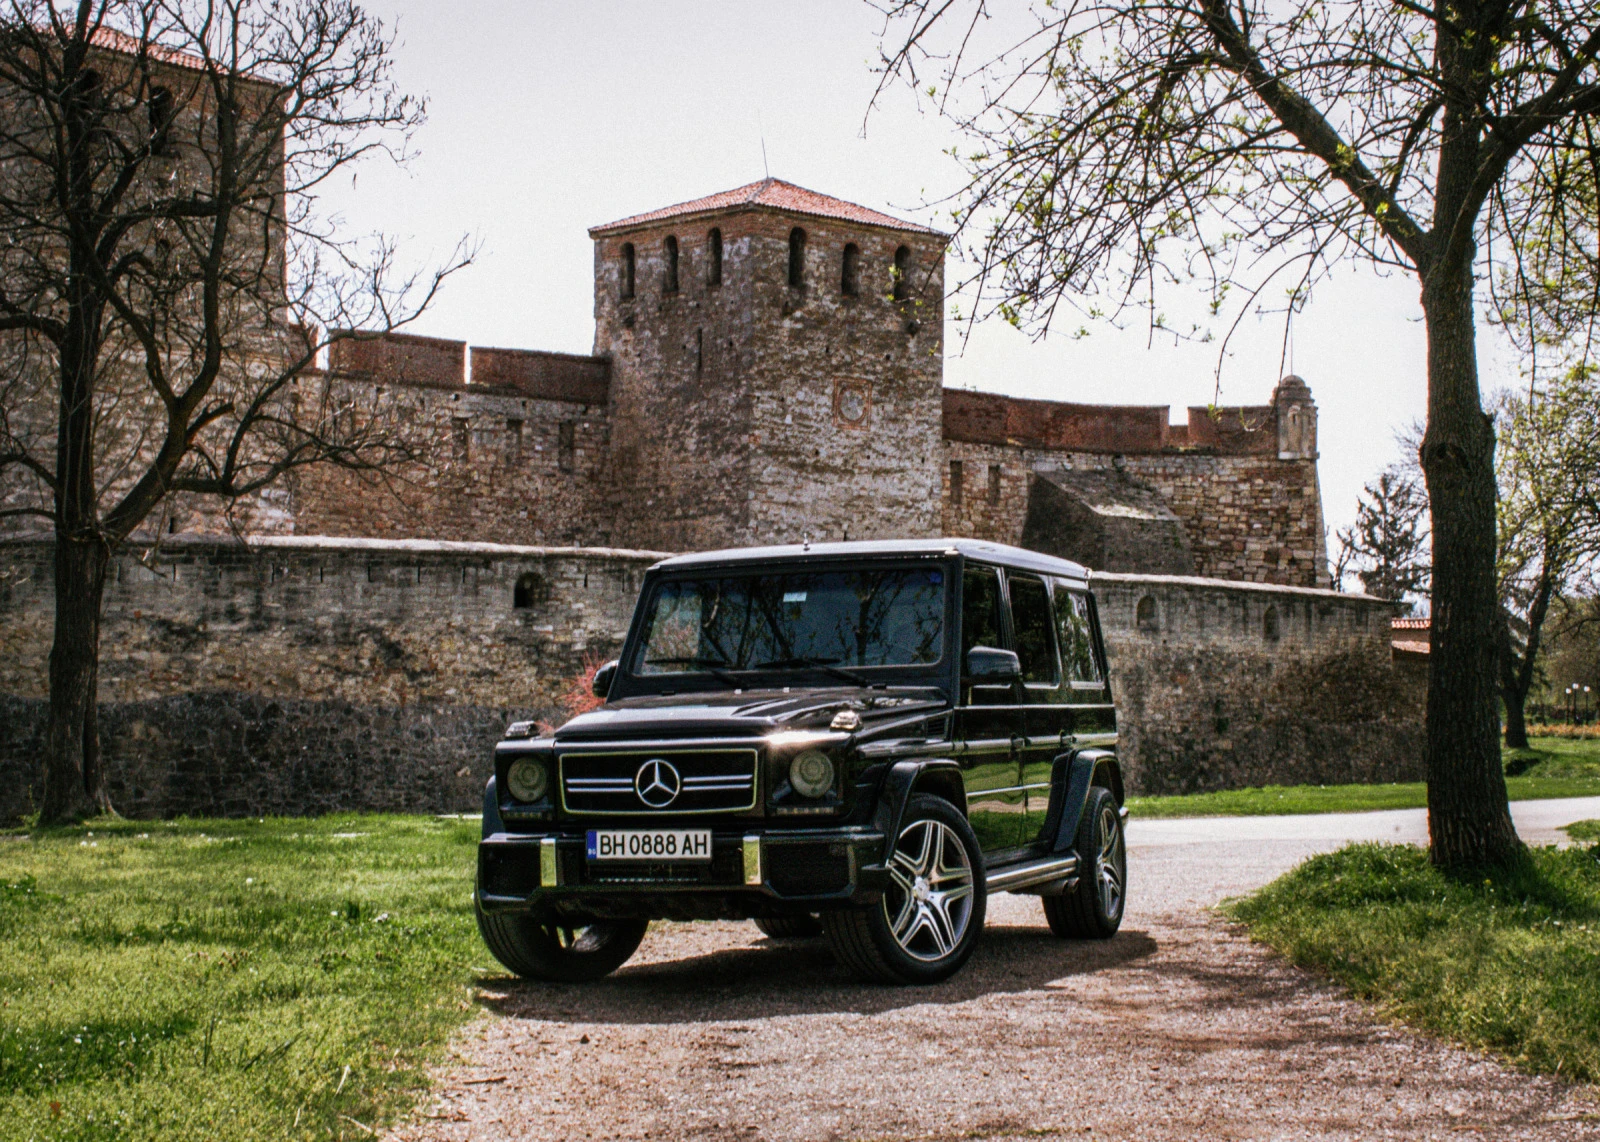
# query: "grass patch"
[1554,767]
[1508,961]
[1583,830]
[229,979]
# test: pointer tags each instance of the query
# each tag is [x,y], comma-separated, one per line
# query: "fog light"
[811,773]
[526,779]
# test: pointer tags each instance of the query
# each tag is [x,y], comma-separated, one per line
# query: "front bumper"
[757,872]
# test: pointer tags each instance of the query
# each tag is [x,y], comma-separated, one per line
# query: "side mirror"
[990,666]
[607,674]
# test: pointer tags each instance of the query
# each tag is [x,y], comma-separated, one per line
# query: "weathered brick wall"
[680,410]
[1226,685]
[1254,518]
[293,658]
[519,455]
[846,389]
[311,674]
[751,411]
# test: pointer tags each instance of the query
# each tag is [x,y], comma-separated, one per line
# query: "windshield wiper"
[819,664]
[712,666]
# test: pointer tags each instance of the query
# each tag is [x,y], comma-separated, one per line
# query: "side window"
[1077,638]
[1030,622]
[980,610]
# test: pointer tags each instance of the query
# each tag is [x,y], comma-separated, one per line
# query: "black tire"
[557,954]
[789,927]
[1093,909]
[918,934]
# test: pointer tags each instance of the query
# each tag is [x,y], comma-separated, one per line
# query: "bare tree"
[1387,546]
[1549,528]
[164,273]
[1123,146]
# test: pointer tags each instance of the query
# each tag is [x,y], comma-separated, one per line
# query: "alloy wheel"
[1108,863]
[930,902]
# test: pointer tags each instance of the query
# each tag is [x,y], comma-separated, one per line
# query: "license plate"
[649,844]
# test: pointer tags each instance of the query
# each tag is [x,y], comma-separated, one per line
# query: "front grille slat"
[707,781]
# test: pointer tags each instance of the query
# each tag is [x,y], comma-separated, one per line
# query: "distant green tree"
[1387,547]
[1548,470]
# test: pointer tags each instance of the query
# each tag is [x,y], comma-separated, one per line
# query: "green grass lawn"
[1555,767]
[1509,962]
[215,980]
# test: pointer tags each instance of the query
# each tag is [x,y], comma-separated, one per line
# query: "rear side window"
[1030,620]
[980,610]
[1077,638]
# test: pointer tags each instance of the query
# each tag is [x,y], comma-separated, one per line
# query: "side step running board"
[1026,875]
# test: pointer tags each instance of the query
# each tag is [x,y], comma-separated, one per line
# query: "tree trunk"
[74,779]
[1516,720]
[1469,822]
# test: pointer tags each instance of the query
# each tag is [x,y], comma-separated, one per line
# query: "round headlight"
[811,773]
[526,780]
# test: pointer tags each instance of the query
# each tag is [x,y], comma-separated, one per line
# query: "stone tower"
[776,370]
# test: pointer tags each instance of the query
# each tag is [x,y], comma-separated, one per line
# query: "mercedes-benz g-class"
[857,740]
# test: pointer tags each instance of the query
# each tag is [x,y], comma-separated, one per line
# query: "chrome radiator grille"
[674,781]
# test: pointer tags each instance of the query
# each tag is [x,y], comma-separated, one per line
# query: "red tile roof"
[774,194]
[113,40]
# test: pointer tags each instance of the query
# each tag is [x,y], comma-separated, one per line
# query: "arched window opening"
[161,109]
[669,269]
[1145,615]
[530,591]
[797,258]
[714,257]
[1271,625]
[627,270]
[850,275]
[902,273]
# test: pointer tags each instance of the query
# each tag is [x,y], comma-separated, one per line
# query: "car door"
[1076,712]
[988,720]
[1046,718]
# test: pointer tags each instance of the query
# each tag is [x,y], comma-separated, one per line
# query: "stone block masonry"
[1227,685]
[307,674]
[298,674]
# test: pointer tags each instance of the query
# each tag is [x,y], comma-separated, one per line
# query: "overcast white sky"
[549,117]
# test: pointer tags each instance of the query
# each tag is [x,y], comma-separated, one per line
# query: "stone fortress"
[768,367]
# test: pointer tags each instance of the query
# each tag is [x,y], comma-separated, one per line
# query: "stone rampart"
[303,674]
[1225,685]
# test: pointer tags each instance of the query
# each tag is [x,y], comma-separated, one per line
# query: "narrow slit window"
[994,484]
[567,446]
[797,258]
[902,273]
[850,271]
[628,261]
[161,111]
[669,265]
[714,257]
[956,480]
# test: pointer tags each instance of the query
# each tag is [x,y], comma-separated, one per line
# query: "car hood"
[751,713]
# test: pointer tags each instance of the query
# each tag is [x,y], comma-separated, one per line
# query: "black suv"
[794,735]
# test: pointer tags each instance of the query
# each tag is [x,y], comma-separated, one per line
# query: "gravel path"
[1179,1028]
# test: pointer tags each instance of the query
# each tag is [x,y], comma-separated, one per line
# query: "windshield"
[794,620]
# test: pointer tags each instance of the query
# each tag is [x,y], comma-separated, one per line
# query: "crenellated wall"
[1243,481]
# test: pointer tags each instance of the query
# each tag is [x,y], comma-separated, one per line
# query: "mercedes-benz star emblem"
[657,783]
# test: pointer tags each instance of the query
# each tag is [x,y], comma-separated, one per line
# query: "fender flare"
[492,823]
[1071,778]
[904,778]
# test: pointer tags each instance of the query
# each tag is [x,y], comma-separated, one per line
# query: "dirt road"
[1177,1029]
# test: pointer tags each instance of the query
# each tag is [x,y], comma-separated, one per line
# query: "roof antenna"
[765,170]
